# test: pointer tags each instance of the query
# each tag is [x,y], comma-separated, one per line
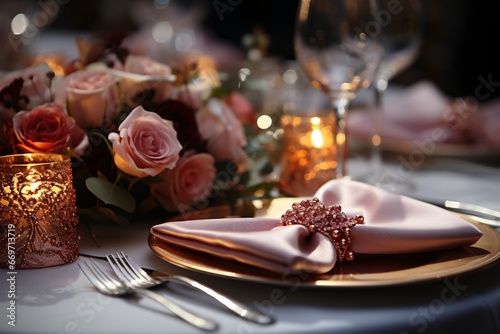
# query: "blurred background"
[457,55]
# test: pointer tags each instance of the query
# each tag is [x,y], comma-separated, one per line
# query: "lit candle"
[308,156]
[37,211]
[54,61]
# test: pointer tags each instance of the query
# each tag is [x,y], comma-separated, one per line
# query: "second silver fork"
[110,286]
[128,271]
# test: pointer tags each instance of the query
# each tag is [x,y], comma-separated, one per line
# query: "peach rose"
[146,145]
[186,186]
[92,97]
[48,128]
[141,75]
[223,131]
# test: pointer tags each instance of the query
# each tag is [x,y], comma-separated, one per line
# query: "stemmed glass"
[401,38]
[337,47]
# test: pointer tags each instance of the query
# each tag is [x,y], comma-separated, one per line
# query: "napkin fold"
[422,112]
[394,224]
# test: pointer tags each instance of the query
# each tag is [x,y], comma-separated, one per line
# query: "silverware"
[479,213]
[130,272]
[112,287]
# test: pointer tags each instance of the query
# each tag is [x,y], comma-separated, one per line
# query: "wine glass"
[401,38]
[337,47]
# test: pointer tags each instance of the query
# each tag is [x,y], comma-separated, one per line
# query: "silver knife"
[479,213]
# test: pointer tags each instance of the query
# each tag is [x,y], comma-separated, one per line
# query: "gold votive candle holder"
[38,218]
[308,153]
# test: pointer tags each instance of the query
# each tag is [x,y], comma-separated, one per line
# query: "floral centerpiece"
[144,137]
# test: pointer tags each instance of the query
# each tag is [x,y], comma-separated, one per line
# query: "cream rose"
[223,131]
[197,92]
[92,97]
[186,186]
[48,128]
[141,75]
[35,85]
[146,144]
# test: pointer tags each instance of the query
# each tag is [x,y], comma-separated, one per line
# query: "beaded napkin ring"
[327,220]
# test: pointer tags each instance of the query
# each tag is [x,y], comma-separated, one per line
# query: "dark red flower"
[10,95]
[184,121]
[98,158]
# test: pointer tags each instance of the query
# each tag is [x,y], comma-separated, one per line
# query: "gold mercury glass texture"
[308,157]
[38,207]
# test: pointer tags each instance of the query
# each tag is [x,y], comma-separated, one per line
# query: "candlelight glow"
[308,157]
[264,122]
[317,138]
[54,61]
[38,200]
[340,138]
[207,72]
[34,186]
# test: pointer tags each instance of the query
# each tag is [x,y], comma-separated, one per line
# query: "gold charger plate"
[364,271]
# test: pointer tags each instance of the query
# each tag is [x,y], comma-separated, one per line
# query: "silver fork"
[112,287]
[128,271]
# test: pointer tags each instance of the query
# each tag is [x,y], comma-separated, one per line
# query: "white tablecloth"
[62,300]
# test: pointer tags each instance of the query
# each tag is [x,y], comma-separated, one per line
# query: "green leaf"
[110,193]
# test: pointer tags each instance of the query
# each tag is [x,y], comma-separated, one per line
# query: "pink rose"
[144,65]
[147,144]
[48,128]
[141,74]
[223,131]
[241,107]
[92,97]
[186,186]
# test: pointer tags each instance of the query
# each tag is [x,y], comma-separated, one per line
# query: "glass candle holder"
[38,218]
[308,153]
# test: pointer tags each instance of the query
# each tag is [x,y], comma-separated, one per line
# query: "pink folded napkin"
[394,224]
[422,113]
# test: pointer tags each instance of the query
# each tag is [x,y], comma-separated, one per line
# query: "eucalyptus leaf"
[111,194]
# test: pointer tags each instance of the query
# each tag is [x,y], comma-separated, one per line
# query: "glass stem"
[378,128]
[340,108]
